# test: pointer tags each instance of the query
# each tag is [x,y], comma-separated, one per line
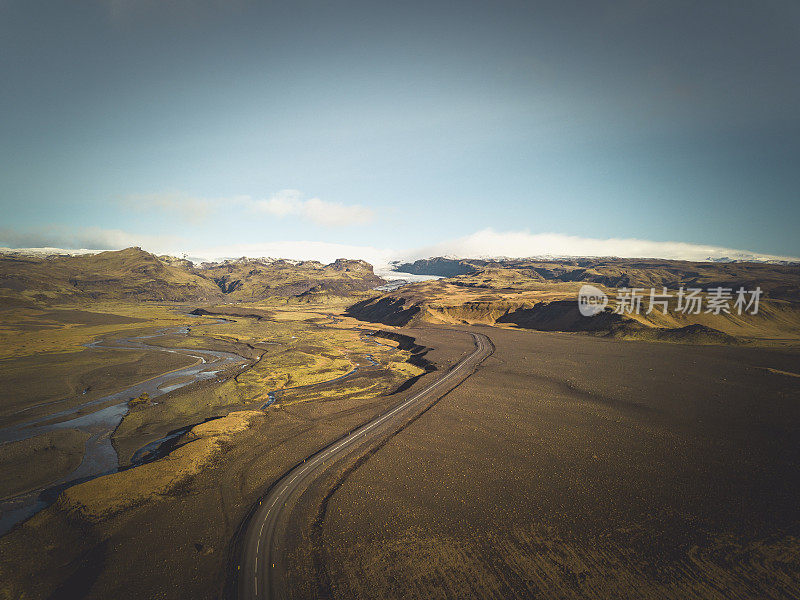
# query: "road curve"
[260,568]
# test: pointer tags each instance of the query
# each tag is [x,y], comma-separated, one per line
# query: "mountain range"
[134,274]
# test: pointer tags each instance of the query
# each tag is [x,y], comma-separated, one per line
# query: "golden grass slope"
[543,295]
[115,275]
[102,497]
[781,281]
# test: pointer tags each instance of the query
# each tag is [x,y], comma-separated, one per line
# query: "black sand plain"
[570,466]
[566,466]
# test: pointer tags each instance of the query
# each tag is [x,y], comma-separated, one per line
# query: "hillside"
[133,274]
[542,295]
[116,275]
[777,280]
[254,278]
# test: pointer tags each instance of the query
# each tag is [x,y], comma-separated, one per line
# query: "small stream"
[100,457]
[273,396]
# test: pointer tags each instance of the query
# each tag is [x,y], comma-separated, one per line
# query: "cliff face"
[441,267]
[387,310]
[542,295]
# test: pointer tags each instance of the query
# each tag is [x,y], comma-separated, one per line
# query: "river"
[100,457]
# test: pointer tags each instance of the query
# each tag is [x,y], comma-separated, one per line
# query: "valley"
[399,300]
[474,428]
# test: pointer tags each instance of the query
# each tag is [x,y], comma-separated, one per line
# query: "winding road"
[261,566]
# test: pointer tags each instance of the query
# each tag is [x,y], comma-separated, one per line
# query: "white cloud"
[190,207]
[482,244]
[331,214]
[522,244]
[285,203]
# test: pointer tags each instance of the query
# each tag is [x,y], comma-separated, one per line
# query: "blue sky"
[228,127]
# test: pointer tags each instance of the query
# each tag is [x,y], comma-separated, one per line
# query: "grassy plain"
[46,367]
[290,347]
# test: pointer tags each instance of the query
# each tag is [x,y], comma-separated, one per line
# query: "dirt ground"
[33,462]
[574,467]
[174,543]
[565,467]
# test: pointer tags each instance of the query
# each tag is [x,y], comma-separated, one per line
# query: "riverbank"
[94,421]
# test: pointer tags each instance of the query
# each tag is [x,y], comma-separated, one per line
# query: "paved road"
[261,568]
